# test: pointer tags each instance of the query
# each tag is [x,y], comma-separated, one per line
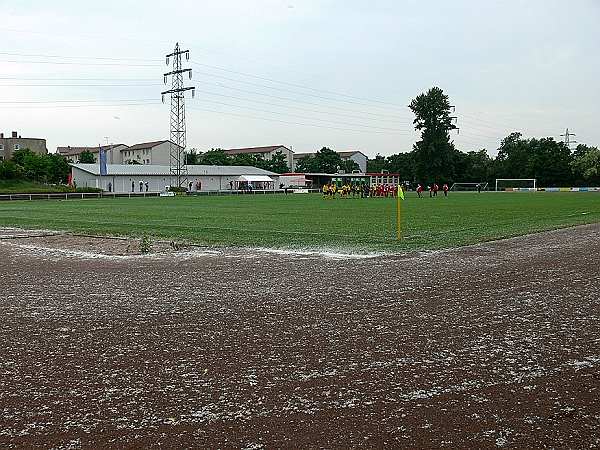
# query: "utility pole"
[568,140]
[178,168]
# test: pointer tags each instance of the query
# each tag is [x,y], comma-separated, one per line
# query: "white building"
[358,157]
[154,153]
[123,178]
[265,153]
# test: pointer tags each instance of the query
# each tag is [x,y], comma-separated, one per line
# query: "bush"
[10,171]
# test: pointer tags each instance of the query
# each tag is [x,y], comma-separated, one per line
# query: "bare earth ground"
[495,345]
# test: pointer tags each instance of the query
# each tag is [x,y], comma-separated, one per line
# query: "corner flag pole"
[399,197]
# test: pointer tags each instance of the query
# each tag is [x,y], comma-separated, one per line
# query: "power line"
[77,101]
[286,122]
[96,105]
[74,79]
[292,99]
[294,107]
[270,80]
[28,55]
[297,85]
[361,101]
[303,117]
[79,63]
[80,85]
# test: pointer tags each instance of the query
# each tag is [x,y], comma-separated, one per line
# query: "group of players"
[433,190]
[363,190]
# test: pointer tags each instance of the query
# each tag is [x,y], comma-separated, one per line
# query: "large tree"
[402,164]
[586,164]
[278,163]
[86,157]
[434,153]
[324,161]
[473,167]
[544,159]
[214,157]
[349,166]
[377,164]
[192,157]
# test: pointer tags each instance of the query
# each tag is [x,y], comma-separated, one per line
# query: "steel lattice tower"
[177,162]
[568,140]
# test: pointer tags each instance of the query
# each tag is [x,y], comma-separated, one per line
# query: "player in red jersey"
[419,190]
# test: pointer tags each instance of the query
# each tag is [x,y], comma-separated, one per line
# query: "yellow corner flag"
[398,197]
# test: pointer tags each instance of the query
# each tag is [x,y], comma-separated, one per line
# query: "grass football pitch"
[310,222]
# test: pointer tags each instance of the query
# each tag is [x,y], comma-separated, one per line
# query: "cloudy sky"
[302,73]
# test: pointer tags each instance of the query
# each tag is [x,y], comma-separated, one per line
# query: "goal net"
[469,186]
[516,184]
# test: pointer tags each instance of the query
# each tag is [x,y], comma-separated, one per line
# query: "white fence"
[89,195]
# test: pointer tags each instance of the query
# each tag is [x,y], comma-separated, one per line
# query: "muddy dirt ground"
[495,345]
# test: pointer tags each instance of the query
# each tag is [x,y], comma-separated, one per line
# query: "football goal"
[469,186]
[509,184]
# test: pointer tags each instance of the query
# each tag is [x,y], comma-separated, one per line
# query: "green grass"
[310,222]
[32,187]
[18,186]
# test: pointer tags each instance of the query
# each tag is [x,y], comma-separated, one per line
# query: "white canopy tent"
[255,182]
[255,178]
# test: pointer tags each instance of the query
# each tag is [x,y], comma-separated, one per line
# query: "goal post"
[516,183]
[469,186]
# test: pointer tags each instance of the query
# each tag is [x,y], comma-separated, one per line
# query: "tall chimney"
[1,135]
[14,134]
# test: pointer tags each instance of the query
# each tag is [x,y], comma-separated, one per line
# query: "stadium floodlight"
[469,186]
[517,183]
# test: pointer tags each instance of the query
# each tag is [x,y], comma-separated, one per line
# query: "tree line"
[323,161]
[218,157]
[434,158]
[27,165]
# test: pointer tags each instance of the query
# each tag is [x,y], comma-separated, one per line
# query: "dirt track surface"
[496,345]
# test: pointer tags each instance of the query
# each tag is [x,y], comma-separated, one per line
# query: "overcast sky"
[302,73]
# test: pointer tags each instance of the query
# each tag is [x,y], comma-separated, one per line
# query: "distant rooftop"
[342,154]
[145,145]
[266,149]
[72,151]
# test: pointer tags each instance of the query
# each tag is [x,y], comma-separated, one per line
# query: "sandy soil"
[495,345]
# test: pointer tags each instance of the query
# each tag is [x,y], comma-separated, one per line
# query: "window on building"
[1,146]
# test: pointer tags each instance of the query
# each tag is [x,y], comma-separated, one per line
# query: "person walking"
[132,186]
[141,186]
[419,191]
[146,185]
[445,189]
